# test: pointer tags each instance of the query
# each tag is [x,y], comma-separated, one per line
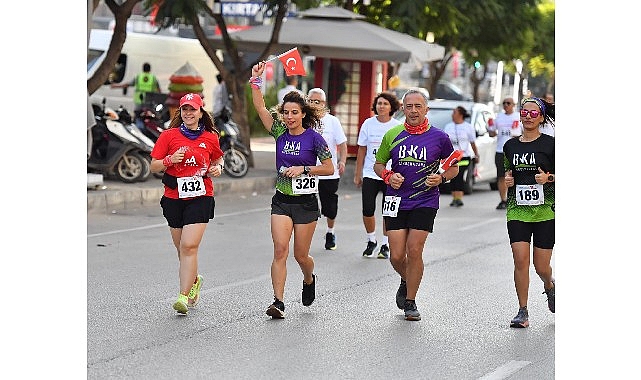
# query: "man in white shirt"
[292,83]
[506,125]
[332,131]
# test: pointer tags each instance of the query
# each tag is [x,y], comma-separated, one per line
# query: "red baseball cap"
[193,100]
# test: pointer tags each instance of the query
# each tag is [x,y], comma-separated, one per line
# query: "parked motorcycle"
[116,150]
[235,153]
[154,115]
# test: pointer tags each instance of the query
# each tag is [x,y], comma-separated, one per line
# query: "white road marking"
[226,286]
[165,224]
[487,221]
[505,370]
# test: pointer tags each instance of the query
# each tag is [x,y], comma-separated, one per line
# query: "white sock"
[385,241]
[372,237]
[330,230]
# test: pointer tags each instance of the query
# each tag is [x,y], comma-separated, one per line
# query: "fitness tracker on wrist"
[306,169]
[551,178]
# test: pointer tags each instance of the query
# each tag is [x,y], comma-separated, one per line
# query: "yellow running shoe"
[194,293]
[181,304]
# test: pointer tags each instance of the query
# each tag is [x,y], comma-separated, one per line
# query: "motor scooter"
[235,153]
[116,150]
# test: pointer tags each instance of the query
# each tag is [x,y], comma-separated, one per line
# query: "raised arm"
[256,83]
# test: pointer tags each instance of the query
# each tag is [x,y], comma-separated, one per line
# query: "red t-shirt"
[199,154]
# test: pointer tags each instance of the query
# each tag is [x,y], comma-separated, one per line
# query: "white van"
[165,54]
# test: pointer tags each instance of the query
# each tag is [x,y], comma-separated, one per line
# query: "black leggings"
[458,182]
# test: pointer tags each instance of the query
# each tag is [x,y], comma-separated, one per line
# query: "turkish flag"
[292,62]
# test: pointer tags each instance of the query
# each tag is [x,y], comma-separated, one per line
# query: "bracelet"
[167,161]
[256,82]
[221,167]
[443,179]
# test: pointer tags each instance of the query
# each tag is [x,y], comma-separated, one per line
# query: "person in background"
[294,207]
[221,96]
[548,128]
[292,85]
[143,83]
[188,152]
[506,125]
[529,175]
[370,135]
[332,131]
[462,135]
[412,195]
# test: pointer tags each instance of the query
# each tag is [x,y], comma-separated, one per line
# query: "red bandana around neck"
[418,129]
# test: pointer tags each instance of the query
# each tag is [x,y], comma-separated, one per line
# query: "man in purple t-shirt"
[412,195]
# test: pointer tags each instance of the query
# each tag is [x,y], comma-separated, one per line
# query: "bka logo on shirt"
[291,148]
[523,159]
[202,145]
[412,155]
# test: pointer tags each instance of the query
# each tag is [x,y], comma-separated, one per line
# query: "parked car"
[440,114]
[448,90]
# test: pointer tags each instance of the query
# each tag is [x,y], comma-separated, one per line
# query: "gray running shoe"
[401,293]
[384,252]
[550,294]
[411,312]
[370,248]
[276,310]
[521,319]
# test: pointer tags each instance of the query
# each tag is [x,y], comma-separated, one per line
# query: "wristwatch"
[306,170]
[550,177]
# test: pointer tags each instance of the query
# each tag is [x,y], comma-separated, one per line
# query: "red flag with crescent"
[292,62]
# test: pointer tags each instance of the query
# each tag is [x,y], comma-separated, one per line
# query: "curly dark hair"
[312,114]
[391,98]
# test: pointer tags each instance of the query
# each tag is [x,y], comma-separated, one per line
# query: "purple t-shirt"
[299,150]
[414,157]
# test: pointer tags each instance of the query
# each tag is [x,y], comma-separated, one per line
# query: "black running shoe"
[309,291]
[384,252]
[411,312]
[502,205]
[276,310]
[370,248]
[401,293]
[550,294]
[521,319]
[330,241]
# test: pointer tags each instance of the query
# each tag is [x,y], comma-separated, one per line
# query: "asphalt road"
[352,331]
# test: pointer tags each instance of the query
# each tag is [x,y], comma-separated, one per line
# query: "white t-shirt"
[506,127]
[547,128]
[333,133]
[461,136]
[283,91]
[370,136]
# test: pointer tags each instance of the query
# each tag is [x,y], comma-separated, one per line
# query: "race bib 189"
[189,187]
[305,184]
[391,205]
[529,195]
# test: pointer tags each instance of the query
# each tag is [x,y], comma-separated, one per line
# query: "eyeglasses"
[533,113]
[507,103]
[315,101]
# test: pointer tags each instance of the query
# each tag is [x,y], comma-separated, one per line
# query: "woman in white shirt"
[462,135]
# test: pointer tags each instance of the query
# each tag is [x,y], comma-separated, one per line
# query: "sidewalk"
[117,195]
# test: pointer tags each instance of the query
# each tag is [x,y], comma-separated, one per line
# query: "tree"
[121,15]
[187,12]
